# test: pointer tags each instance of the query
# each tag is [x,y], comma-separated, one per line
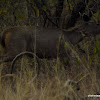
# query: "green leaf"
[98,46]
[86,46]
[66,45]
[44,8]
[65,60]
[83,34]
[80,76]
[78,61]
[18,16]
[95,16]
[90,62]
[94,51]
[0,11]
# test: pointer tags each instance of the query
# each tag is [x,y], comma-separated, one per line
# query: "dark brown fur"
[15,40]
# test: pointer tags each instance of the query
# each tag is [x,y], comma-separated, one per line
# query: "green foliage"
[78,61]
[0,11]
[80,76]
[97,48]
[50,2]
[57,64]
[44,8]
[12,12]
[96,51]
[95,56]
[19,15]
[4,10]
[54,1]
[83,34]
[90,62]
[86,46]
[65,60]
[66,46]
[96,16]
[92,52]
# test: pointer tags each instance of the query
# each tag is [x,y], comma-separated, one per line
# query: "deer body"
[18,39]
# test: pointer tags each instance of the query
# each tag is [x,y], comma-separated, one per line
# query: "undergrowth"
[55,81]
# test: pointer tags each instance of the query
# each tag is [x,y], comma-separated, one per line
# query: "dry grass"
[54,81]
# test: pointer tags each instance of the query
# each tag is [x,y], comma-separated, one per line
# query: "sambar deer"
[15,40]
